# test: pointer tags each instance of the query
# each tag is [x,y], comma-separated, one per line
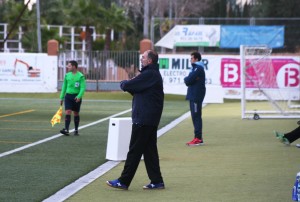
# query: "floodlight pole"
[39,38]
[146,19]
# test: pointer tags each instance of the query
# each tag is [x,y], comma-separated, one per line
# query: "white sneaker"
[298,145]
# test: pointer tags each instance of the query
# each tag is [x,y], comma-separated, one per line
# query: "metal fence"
[14,44]
[103,69]
[71,34]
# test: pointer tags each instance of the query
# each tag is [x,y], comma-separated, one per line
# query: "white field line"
[58,135]
[85,180]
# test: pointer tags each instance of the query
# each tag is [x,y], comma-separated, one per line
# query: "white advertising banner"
[28,72]
[191,36]
[223,75]
[174,68]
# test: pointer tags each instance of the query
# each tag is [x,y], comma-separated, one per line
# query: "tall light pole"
[39,37]
[146,19]
[170,9]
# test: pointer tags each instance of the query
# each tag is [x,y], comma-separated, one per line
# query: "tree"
[86,13]
[179,8]
[288,9]
[52,11]
[113,18]
[246,10]
[12,15]
[220,9]
[264,8]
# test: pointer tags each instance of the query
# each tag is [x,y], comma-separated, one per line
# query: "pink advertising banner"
[223,74]
[283,73]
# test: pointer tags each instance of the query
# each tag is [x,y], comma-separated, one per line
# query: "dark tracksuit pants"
[196,113]
[143,142]
[293,135]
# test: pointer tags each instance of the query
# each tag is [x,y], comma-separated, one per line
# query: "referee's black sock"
[76,122]
[67,122]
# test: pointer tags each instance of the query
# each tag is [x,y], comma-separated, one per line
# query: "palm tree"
[113,18]
[51,11]
[84,12]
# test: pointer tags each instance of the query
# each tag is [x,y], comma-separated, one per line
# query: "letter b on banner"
[230,73]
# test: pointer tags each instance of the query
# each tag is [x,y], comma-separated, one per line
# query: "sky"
[242,1]
[30,3]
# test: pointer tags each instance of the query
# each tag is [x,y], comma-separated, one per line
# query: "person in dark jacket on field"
[147,107]
[195,82]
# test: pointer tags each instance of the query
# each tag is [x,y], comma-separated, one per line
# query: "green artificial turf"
[38,172]
[240,161]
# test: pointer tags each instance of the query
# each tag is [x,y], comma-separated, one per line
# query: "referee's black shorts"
[71,104]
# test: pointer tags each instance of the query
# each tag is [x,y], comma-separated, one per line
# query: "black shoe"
[76,133]
[65,132]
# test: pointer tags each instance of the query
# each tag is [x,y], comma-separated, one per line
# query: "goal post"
[261,96]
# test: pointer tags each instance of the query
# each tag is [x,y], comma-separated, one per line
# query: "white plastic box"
[119,133]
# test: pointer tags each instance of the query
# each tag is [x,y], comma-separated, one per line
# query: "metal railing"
[11,45]
[101,67]
[70,33]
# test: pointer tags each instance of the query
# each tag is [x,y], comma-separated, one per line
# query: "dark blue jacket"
[148,95]
[195,82]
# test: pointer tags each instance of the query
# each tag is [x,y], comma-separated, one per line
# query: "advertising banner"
[28,72]
[223,78]
[191,36]
[284,74]
[174,68]
[234,36]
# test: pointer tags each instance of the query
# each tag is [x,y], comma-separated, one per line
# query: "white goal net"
[262,96]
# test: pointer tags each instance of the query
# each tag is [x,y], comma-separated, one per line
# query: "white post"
[243,84]
[60,31]
[20,49]
[72,38]
[83,40]
[4,36]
